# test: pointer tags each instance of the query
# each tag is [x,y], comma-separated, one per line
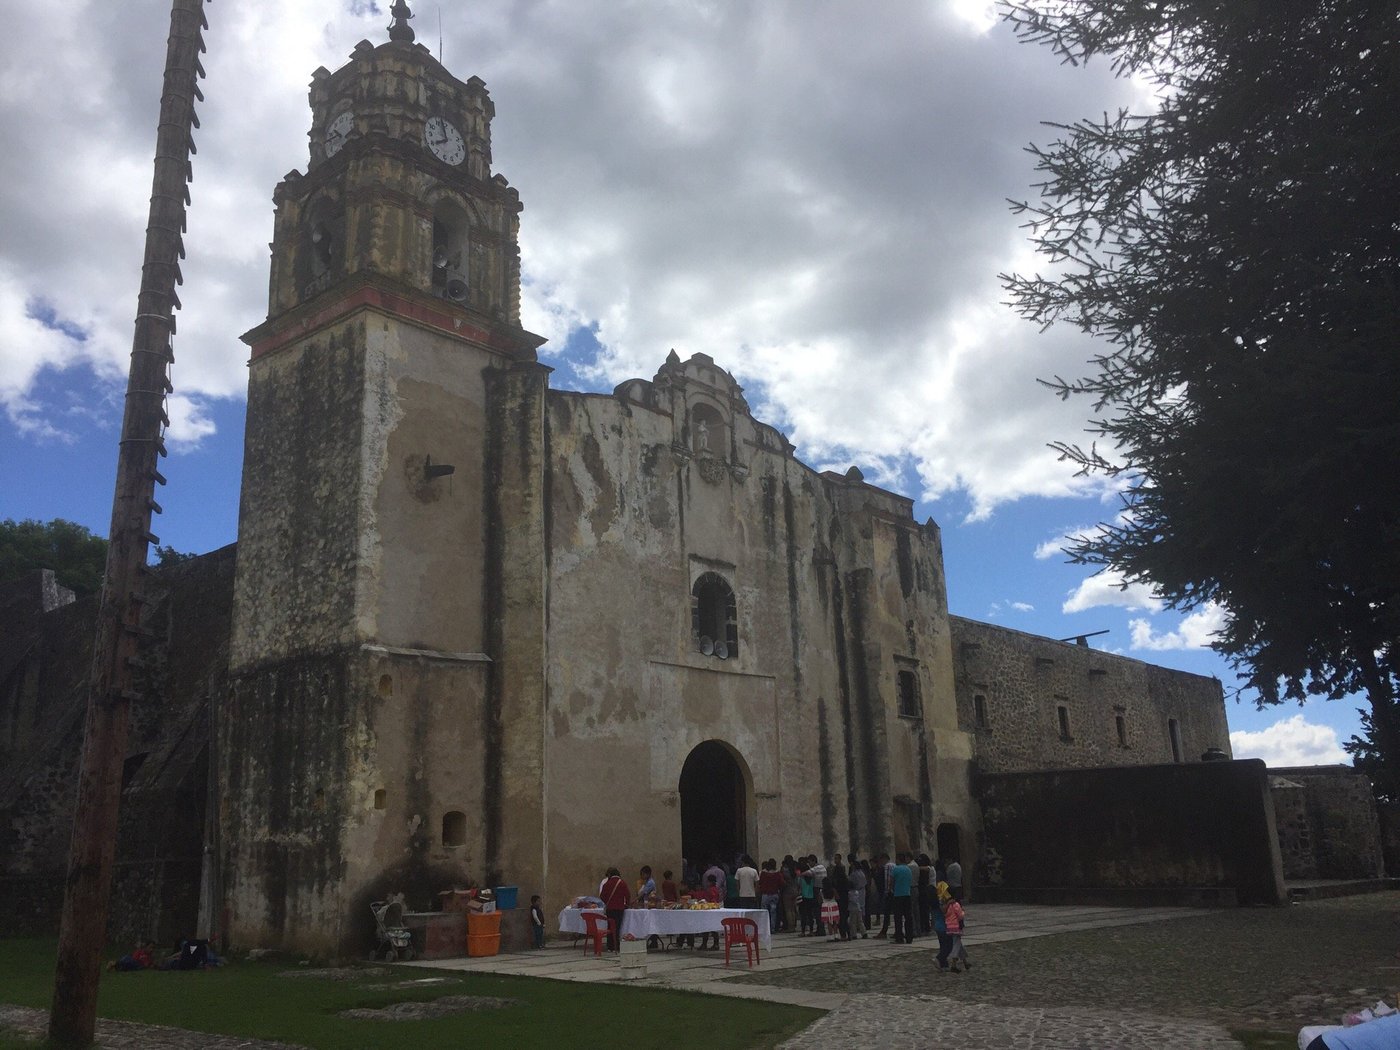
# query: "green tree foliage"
[77,557]
[1236,247]
[168,555]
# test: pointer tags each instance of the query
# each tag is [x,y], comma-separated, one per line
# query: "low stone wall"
[1389,816]
[1195,833]
[30,904]
[1327,823]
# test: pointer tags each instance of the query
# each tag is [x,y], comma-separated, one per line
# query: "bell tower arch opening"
[714,803]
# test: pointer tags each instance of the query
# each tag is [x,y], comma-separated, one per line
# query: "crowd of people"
[898,897]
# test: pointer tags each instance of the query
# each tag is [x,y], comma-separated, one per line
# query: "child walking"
[537,920]
[953,918]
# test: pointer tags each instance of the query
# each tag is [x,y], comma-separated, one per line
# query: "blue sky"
[813,194]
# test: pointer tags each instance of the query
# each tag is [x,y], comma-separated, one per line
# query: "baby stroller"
[395,940]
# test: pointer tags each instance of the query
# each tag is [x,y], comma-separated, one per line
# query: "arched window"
[714,618]
[454,828]
[707,431]
[450,243]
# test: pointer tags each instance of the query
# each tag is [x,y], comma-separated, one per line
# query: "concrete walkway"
[691,970]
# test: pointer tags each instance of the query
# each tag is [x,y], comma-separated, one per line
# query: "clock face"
[338,131]
[444,140]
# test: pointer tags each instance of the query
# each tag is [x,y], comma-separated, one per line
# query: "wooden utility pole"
[116,653]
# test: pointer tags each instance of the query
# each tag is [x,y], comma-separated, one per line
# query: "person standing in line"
[876,872]
[770,890]
[716,872]
[746,883]
[913,894]
[819,887]
[887,871]
[616,896]
[807,899]
[901,885]
[790,894]
[859,881]
[955,879]
[830,913]
[841,893]
[923,901]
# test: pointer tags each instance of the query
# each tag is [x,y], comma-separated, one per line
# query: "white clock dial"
[444,140]
[338,131]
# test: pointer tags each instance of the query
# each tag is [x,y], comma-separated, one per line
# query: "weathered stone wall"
[1207,825]
[165,780]
[1024,679]
[1327,823]
[26,634]
[301,502]
[360,717]
[1389,815]
[836,589]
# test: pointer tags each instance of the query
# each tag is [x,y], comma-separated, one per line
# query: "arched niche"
[709,434]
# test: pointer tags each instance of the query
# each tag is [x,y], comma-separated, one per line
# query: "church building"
[479,629]
[482,627]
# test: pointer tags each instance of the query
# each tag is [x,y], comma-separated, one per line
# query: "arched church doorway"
[714,804]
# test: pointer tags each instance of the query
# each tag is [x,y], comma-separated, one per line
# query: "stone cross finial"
[401,30]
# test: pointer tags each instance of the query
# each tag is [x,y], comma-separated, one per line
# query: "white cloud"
[1196,631]
[189,422]
[817,202]
[1106,588]
[998,607]
[1290,742]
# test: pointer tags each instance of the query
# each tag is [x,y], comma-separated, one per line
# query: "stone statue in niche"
[702,436]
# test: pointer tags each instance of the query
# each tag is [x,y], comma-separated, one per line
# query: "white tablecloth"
[571,920]
[643,922]
[665,922]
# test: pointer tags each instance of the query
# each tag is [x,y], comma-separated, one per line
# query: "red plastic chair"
[741,931]
[597,926]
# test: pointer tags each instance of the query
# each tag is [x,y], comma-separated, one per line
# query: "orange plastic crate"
[483,945]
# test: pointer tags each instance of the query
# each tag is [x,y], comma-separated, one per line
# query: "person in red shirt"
[714,895]
[616,896]
[770,888]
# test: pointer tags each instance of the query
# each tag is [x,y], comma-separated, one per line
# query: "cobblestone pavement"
[1271,969]
[127,1035]
[898,1022]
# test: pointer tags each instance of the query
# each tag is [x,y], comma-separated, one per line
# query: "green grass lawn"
[256,1000]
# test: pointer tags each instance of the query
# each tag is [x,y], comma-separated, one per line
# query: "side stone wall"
[1389,815]
[1328,826]
[165,776]
[1012,686]
[1194,833]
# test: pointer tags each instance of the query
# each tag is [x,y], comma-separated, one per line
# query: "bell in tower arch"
[451,251]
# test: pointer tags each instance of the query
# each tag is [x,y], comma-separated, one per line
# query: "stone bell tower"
[363,742]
